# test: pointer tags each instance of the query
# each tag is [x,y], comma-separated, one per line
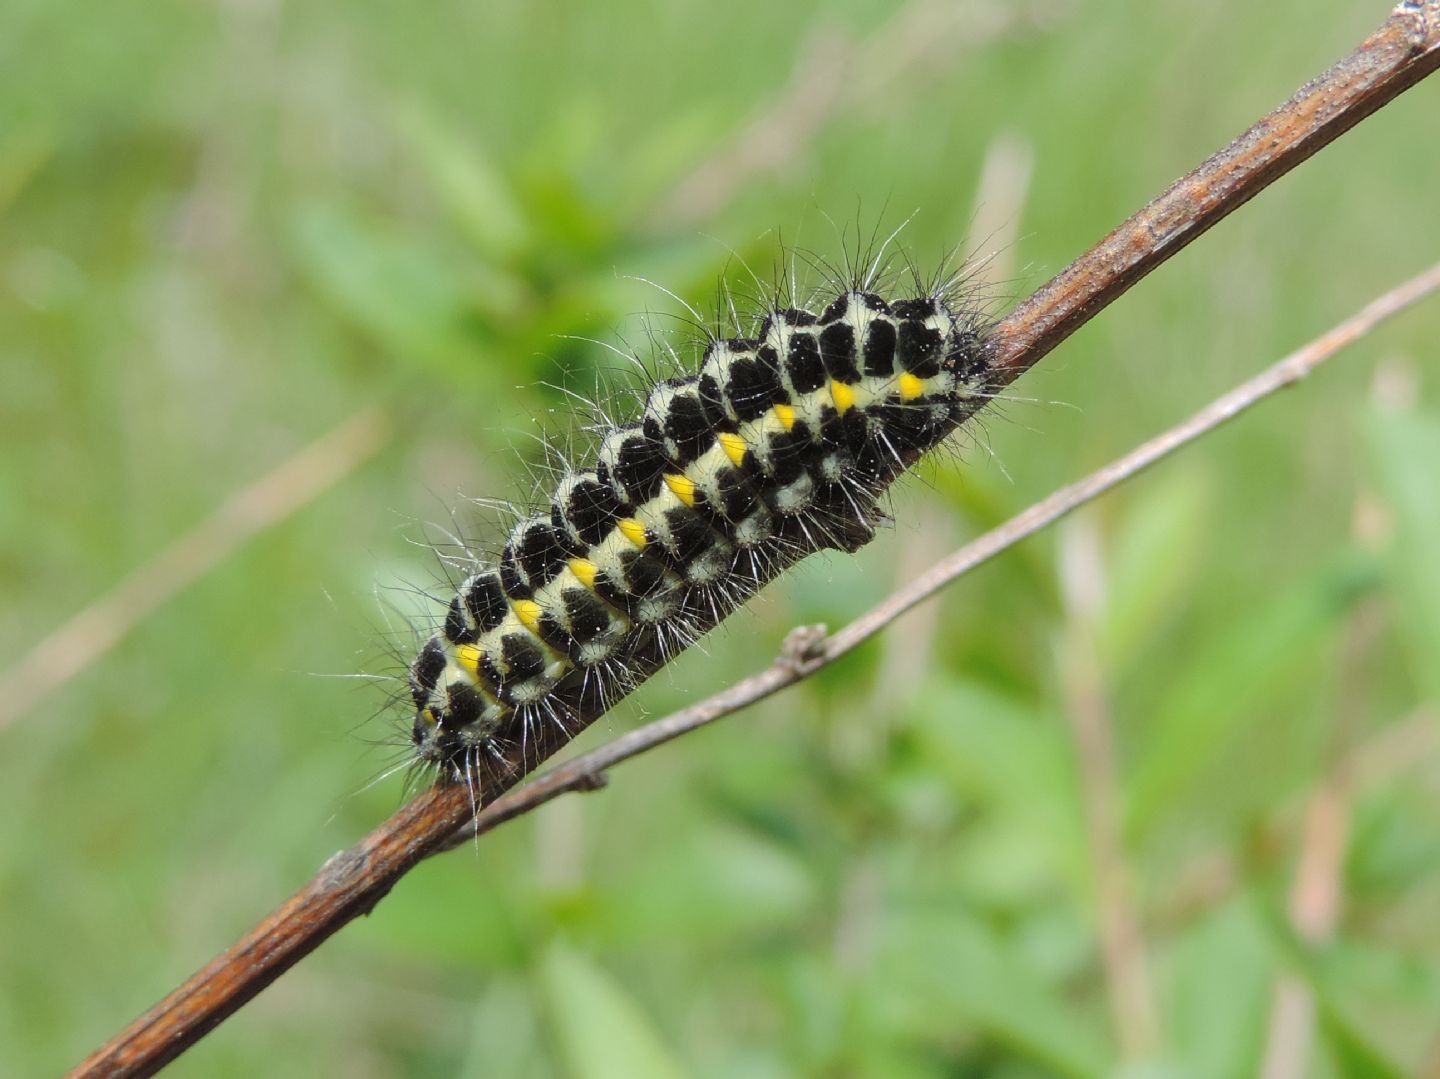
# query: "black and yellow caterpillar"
[779,446]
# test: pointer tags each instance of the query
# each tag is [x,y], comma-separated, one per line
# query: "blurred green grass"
[224,229]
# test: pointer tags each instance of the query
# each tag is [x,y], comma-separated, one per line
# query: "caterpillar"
[780,444]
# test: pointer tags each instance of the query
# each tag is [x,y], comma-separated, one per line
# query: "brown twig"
[1402,51]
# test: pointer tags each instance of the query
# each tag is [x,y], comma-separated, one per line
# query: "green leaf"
[506,1035]
[946,970]
[1405,450]
[711,883]
[467,181]
[1354,1056]
[1156,553]
[601,1031]
[22,154]
[1234,681]
[497,932]
[1219,974]
[1343,991]
[1012,759]
[397,292]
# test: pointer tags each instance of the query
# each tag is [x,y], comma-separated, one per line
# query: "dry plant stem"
[1315,901]
[1128,986]
[1406,48]
[76,645]
[1401,747]
[1317,892]
[1414,739]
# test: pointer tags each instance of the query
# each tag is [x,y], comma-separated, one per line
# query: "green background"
[225,228]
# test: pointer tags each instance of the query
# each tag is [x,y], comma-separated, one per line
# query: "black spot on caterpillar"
[781,444]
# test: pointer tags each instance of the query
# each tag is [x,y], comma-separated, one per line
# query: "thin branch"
[1404,50]
[77,644]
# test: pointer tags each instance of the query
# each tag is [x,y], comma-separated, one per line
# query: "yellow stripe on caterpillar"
[529,612]
[469,657]
[735,446]
[910,387]
[683,488]
[633,531]
[786,415]
[584,571]
[843,395]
